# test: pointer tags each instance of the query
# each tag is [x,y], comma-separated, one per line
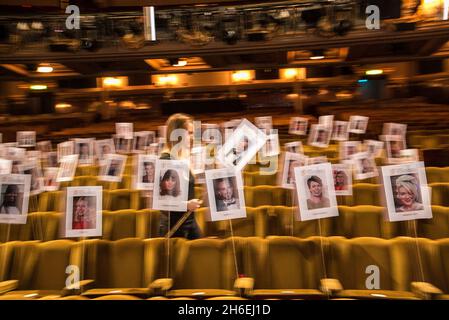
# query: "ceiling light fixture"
[44,68]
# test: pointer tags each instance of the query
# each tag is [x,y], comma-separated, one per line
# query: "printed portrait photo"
[146,167]
[406,192]
[83,211]
[14,197]
[104,147]
[298,126]
[316,193]
[225,194]
[364,166]
[394,129]
[84,148]
[171,184]
[289,162]
[348,148]
[340,131]
[33,169]
[264,123]
[342,174]
[66,148]
[241,147]
[50,175]
[271,147]
[393,146]
[113,167]
[67,168]
[374,147]
[358,124]
[294,147]
[124,130]
[26,138]
[319,136]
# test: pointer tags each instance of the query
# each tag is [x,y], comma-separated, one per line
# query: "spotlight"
[38,87]
[317,54]
[44,68]
[374,72]
[175,62]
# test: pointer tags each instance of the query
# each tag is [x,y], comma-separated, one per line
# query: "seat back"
[205,264]
[366,194]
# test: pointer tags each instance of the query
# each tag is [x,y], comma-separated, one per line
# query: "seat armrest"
[159,286]
[425,290]
[244,285]
[330,286]
[77,288]
[9,285]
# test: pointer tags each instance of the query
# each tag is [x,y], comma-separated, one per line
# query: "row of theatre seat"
[263,221]
[274,267]
[363,194]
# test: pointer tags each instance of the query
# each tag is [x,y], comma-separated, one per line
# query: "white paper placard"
[298,126]
[67,168]
[364,166]
[14,198]
[50,176]
[83,216]
[340,131]
[241,147]
[26,138]
[358,124]
[225,194]
[85,150]
[316,193]
[289,162]
[406,192]
[113,167]
[146,166]
[104,147]
[170,193]
[319,136]
[342,174]
[124,130]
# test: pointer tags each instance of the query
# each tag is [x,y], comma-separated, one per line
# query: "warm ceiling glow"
[38,87]
[112,82]
[242,75]
[63,106]
[292,96]
[432,8]
[44,68]
[169,79]
[318,57]
[290,73]
[374,72]
[180,63]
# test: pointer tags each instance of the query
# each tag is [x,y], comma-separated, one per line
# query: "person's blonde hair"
[174,122]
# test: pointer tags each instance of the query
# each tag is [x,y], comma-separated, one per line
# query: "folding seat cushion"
[33,203]
[442,281]
[125,266]
[421,261]
[282,222]
[6,251]
[205,268]
[363,221]
[268,195]
[283,267]
[440,194]
[51,201]
[40,268]
[119,224]
[45,225]
[366,194]
[126,182]
[350,261]
[437,227]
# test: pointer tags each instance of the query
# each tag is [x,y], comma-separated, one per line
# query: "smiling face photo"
[226,195]
[407,193]
[84,213]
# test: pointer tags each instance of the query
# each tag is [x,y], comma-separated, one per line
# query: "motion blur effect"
[238,150]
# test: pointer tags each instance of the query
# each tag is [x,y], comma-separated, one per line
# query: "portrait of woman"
[407,194]
[340,180]
[169,184]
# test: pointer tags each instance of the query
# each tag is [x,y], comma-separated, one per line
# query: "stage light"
[38,87]
[374,72]
[169,79]
[44,68]
[317,55]
[109,82]
[178,62]
[290,73]
[242,75]
[362,80]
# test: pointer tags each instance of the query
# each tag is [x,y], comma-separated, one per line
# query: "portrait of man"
[84,213]
[316,199]
[10,199]
[366,165]
[83,151]
[114,167]
[148,172]
[225,195]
